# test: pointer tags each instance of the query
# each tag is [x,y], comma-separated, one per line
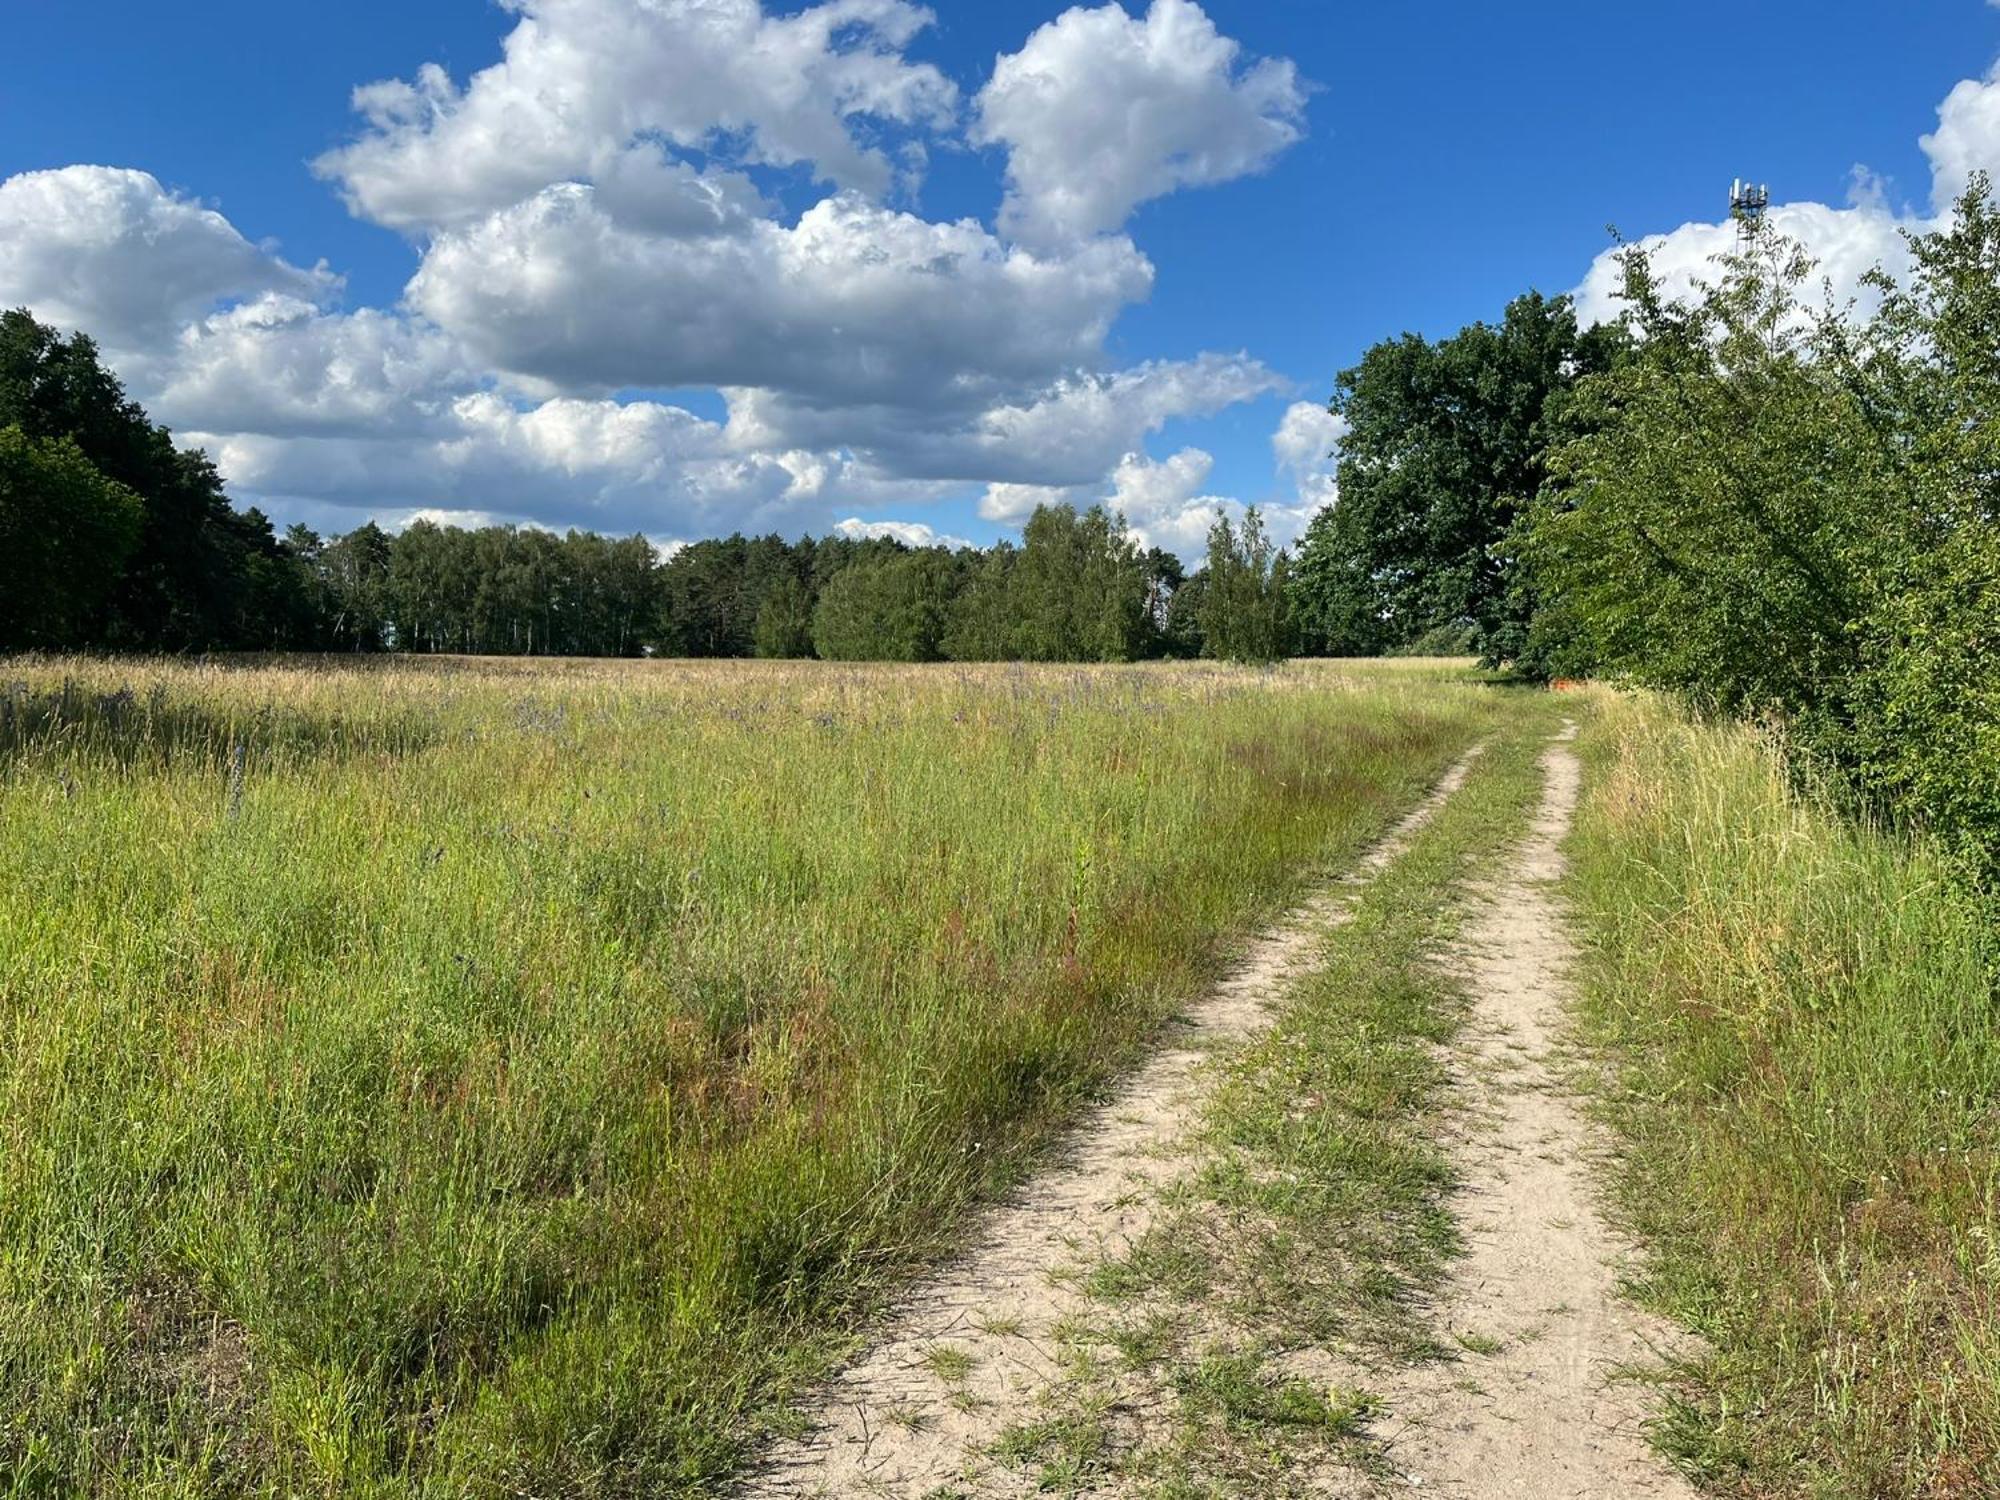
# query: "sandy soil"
[893,1424]
[1545,1415]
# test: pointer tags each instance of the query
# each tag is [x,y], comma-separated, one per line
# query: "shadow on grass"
[158,729]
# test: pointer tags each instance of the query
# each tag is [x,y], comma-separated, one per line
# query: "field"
[471,1077]
[479,1077]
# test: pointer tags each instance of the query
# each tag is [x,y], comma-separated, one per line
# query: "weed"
[949,1363]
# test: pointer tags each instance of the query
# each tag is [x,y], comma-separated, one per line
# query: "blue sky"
[559,359]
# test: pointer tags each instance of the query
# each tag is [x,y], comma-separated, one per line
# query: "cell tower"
[1748,203]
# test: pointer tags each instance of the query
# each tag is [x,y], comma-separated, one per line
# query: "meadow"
[1794,1013]
[489,1077]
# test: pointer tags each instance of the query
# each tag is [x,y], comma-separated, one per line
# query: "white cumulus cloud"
[1163,500]
[852,304]
[1101,111]
[111,251]
[596,214]
[583,81]
[1307,441]
[1078,429]
[282,366]
[1847,241]
[909,533]
[1167,502]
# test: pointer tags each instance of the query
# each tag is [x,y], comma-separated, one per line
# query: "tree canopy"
[1445,446]
[112,537]
[1795,514]
[195,574]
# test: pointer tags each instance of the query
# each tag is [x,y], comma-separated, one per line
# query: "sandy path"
[1545,1415]
[893,1424]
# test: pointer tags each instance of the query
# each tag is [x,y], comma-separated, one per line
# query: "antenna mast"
[1748,203]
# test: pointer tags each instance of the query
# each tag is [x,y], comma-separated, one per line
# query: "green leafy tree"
[1181,632]
[1246,608]
[1444,448]
[1079,588]
[887,609]
[1707,535]
[982,625]
[1164,574]
[65,533]
[1340,610]
[356,570]
[313,602]
[199,574]
[785,619]
[1792,514]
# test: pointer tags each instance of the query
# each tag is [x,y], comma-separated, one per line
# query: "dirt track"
[1534,1407]
[1543,1415]
[890,1425]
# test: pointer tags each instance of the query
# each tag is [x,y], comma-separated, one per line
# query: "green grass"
[484,1078]
[1800,1019]
[949,1363]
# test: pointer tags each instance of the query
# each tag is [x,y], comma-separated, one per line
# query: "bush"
[1442,640]
[1791,516]
[65,532]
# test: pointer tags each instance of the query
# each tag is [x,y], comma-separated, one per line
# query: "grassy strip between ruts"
[477,1078]
[1225,1354]
[1799,1015]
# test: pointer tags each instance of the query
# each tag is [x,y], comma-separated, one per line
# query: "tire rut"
[892,1424]
[1537,1407]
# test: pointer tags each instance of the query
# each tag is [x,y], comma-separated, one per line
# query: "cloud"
[1165,501]
[285,367]
[636,440]
[1307,442]
[595,215]
[470,520]
[909,533]
[617,466]
[853,304]
[583,82]
[1845,242]
[321,411]
[1100,112]
[470,464]
[1070,436]
[1160,499]
[109,250]
[1072,433]
[1967,138]
[1069,432]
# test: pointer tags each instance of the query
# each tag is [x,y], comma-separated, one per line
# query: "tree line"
[111,537]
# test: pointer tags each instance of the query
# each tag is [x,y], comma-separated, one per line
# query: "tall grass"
[1803,1022]
[491,1078]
